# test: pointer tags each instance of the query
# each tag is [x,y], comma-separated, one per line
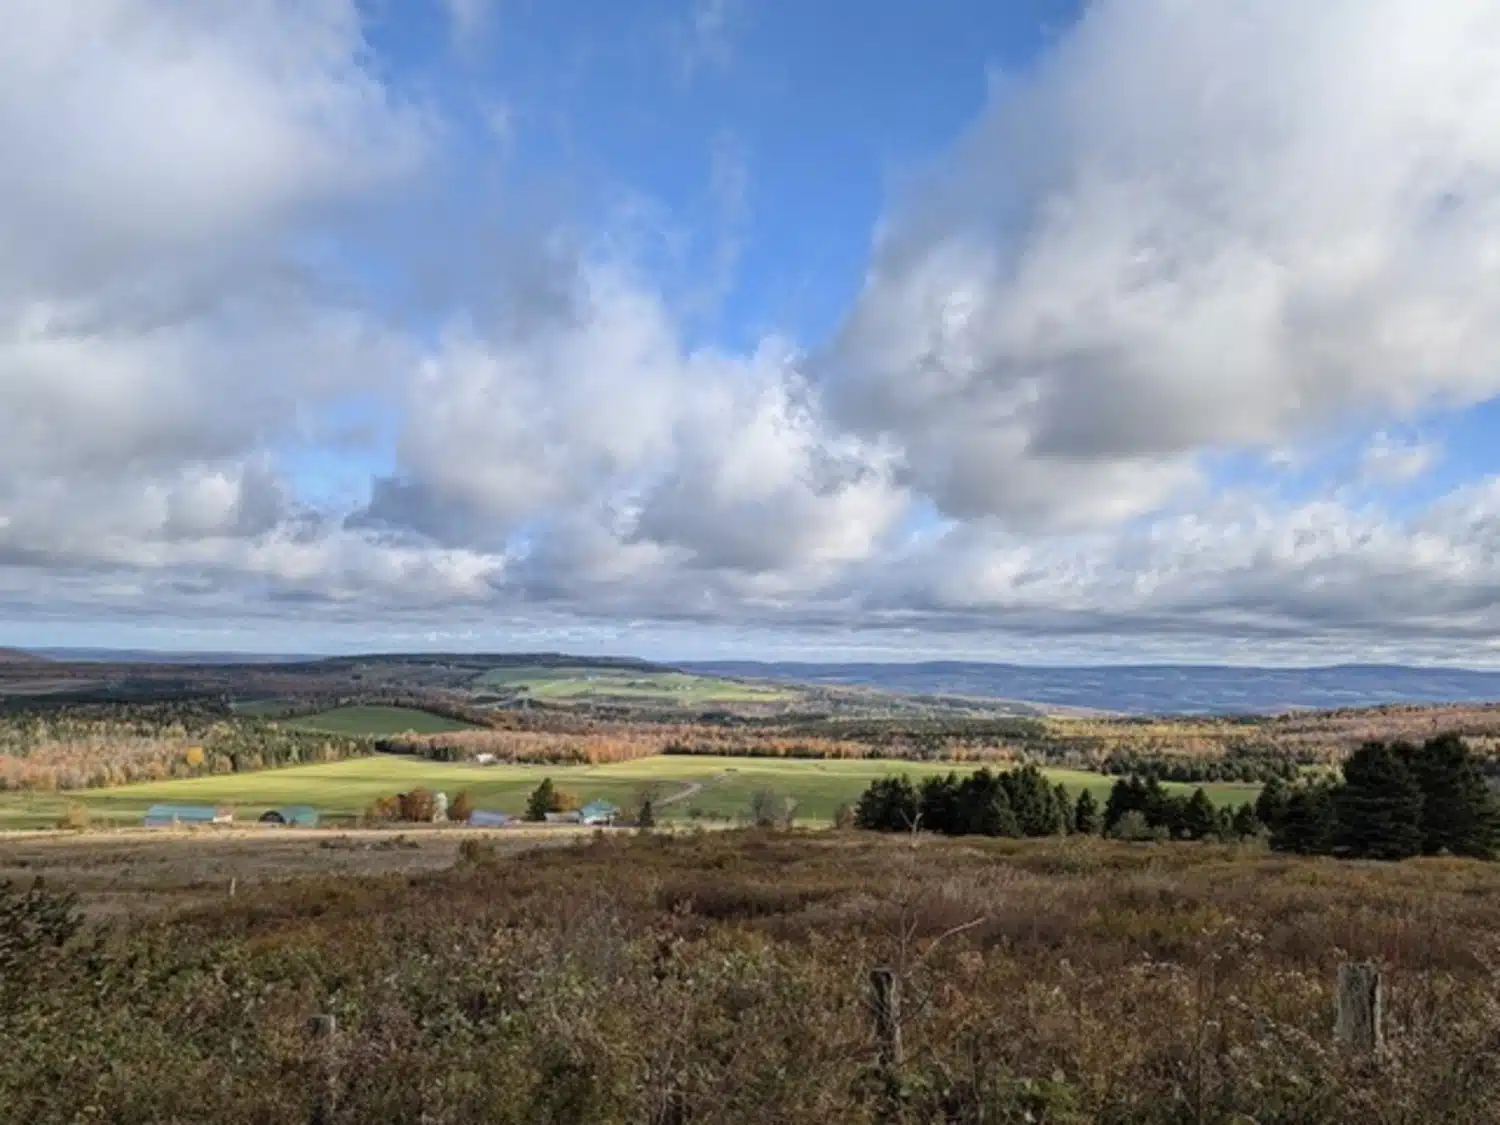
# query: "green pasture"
[344,789]
[376,721]
[669,688]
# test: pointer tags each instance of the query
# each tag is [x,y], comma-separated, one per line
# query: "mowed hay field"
[683,787]
[374,721]
[566,685]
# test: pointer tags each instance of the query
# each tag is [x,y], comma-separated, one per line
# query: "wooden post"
[1357,1017]
[885,1002]
[324,1030]
[232,884]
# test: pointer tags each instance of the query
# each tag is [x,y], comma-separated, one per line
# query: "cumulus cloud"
[1144,256]
[1195,226]
[1390,460]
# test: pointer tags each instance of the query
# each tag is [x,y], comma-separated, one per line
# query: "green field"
[344,789]
[629,684]
[376,721]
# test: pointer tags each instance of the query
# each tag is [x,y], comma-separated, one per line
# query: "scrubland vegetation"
[724,978]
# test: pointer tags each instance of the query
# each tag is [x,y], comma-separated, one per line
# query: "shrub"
[418,806]
[1133,825]
[461,808]
[765,811]
[31,923]
[843,817]
[76,818]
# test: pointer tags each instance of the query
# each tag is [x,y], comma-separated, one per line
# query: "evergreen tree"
[1245,823]
[1032,801]
[1200,819]
[1086,816]
[1380,804]
[888,805]
[646,817]
[1309,824]
[541,801]
[1459,813]
[1270,806]
[1129,794]
[940,805]
[1064,803]
[986,806]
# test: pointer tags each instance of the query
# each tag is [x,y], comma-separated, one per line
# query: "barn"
[294,816]
[599,813]
[169,816]
[485,818]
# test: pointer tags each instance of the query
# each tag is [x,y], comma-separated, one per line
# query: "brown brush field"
[722,977]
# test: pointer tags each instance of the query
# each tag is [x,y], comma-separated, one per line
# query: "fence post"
[885,1001]
[1357,1025]
[885,1006]
[323,1031]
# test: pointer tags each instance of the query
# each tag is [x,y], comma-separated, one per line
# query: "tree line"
[1395,800]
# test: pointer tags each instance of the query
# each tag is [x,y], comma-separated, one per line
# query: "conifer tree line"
[1022,802]
[1396,800]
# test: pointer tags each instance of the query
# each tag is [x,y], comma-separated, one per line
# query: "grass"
[345,789]
[672,688]
[376,721]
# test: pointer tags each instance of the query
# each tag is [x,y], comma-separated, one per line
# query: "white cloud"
[1149,248]
[1390,460]
[469,19]
[704,38]
[1144,255]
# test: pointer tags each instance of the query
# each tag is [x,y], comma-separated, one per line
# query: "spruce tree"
[888,805]
[986,806]
[1086,816]
[1032,801]
[541,801]
[1128,795]
[1458,809]
[1200,819]
[1245,823]
[1270,806]
[1380,804]
[1064,808]
[941,806]
[1309,825]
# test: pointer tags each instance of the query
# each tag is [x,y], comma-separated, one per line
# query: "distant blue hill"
[1147,689]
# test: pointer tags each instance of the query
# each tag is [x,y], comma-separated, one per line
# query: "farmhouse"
[298,816]
[486,818]
[167,816]
[598,813]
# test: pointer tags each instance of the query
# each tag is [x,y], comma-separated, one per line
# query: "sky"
[1050,331]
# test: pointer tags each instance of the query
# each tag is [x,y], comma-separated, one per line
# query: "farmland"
[722,787]
[373,721]
[660,688]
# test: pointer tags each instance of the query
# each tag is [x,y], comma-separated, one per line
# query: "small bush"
[476,853]
[1133,826]
[461,808]
[75,818]
[843,817]
[419,806]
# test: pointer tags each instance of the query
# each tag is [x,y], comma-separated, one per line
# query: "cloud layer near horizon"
[1144,258]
